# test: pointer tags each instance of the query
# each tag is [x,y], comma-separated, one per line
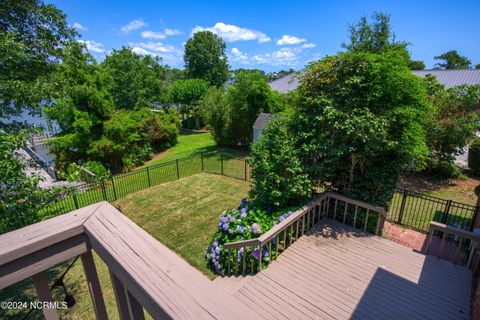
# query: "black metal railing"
[416,210]
[117,186]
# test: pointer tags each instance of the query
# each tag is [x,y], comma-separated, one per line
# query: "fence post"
[148,177]
[201,157]
[102,184]
[245,165]
[475,216]
[75,201]
[114,190]
[402,206]
[178,171]
[221,164]
[447,210]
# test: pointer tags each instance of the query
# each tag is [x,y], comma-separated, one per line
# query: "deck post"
[380,222]
[40,282]
[94,286]
[128,306]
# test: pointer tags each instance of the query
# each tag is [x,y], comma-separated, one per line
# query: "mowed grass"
[182,214]
[190,144]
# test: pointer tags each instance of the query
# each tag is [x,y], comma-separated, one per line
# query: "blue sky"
[271,35]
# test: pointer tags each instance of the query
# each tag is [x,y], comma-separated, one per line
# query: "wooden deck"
[338,272]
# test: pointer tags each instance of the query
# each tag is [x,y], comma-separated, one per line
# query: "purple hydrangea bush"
[243,223]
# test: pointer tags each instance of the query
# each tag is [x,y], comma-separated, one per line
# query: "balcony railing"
[145,274]
[249,256]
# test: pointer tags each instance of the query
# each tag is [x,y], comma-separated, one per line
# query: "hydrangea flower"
[256,229]
[240,229]
[243,213]
[225,227]
[256,253]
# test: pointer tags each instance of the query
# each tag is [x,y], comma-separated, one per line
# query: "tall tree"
[32,35]
[377,36]
[452,60]
[205,58]
[187,93]
[138,81]
[374,37]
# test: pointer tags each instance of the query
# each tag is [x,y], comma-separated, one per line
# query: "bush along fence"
[123,184]
[416,210]
[407,208]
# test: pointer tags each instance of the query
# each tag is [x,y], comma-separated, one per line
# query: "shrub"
[474,157]
[280,180]
[245,222]
[358,123]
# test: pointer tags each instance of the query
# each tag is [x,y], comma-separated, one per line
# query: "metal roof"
[453,77]
[263,119]
[449,78]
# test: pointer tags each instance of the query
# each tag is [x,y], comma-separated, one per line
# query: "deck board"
[338,272]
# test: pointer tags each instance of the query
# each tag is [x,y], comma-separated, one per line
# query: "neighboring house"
[261,123]
[449,78]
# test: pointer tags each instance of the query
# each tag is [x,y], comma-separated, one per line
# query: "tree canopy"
[377,36]
[205,58]
[452,60]
[358,122]
[32,35]
[137,81]
[187,93]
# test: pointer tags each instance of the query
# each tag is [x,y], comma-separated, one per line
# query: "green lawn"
[189,144]
[182,214]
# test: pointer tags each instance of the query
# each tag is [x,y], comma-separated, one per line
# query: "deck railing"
[453,244]
[250,256]
[144,273]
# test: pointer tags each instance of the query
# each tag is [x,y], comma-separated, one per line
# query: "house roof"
[263,119]
[449,78]
[453,77]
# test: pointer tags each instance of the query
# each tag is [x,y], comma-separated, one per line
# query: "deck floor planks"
[336,277]
[350,255]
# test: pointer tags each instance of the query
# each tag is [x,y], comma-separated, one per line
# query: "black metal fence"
[123,184]
[416,210]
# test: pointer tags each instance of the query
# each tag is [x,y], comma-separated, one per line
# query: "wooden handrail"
[296,225]
[461,234]
[145,273]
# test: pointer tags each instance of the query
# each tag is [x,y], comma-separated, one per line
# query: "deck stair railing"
[250,256]
[454,244]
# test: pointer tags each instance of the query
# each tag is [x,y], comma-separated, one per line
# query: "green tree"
[80,107]
[416,65]
[137,81]
[276,168]
[205,58]
[21,200]
[214,109]
[452,60]
[477,66]
[32,35]
[240,106]
[452,124]
[375,37]
[187,93]
[358,123]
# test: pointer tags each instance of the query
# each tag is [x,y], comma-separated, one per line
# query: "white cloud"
[78,26]
[308,45]
[93,46]
[152,35]
[168,53]
[133,25]
[142,51]
[172,32]
[232,33]
[289,40]
[237,55]
[287,57]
